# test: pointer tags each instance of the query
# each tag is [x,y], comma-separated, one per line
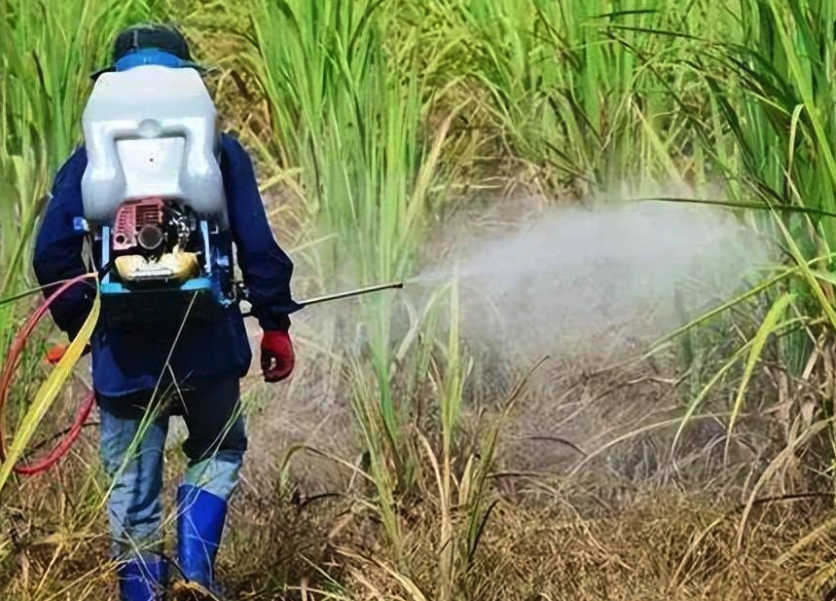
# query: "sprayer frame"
[205,296]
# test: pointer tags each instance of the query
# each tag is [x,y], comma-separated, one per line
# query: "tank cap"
[149,128]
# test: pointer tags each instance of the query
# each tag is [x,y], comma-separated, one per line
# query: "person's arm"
[265,266]
[59,247]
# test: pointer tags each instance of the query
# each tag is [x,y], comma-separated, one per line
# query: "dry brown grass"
[626,525]
[663,546]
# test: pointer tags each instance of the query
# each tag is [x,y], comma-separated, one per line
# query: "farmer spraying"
[162,199]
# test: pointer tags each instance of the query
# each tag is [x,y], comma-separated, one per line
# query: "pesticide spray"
[589,287]
[598,282]
[592,289]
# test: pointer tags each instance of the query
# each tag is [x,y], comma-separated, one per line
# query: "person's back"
[150,362]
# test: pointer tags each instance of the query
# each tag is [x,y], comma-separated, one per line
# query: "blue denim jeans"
[133,436]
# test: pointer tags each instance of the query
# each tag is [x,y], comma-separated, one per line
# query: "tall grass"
[583,90]
[774,144]
[354,125]
[591,95]
[47,51]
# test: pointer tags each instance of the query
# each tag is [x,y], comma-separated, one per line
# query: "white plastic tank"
[151,131]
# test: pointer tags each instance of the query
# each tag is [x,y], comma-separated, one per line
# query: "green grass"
[773,141]
[47,51]
[354,126]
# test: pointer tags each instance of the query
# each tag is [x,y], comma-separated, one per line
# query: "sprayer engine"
[155,241]
[161,260]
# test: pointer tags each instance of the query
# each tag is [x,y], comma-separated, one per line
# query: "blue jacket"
[126,359]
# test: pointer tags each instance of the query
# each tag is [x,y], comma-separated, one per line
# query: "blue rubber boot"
[142,580]
[200,524]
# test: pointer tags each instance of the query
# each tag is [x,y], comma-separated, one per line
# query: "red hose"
[10,366]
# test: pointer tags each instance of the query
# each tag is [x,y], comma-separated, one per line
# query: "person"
[143,375]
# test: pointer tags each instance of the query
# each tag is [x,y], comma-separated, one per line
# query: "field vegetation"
[394,465]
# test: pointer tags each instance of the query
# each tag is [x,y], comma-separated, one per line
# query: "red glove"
[54,354]
[277,357]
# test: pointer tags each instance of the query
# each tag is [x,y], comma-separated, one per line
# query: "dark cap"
[152,35]
[150,43]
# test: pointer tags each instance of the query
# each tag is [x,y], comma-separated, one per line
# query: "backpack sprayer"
[154,200]
[153,195]
[155,213]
